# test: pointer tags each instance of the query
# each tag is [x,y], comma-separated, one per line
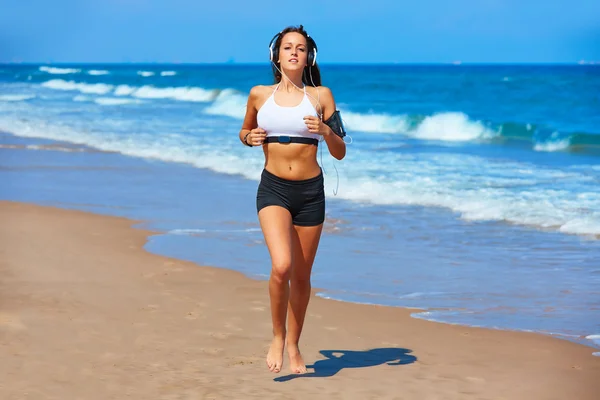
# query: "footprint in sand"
[258,309]
[109,357]
[195,315]
[197,312]
[213,351]
[170,264]
[245,361]
[475,379]
[220,335]
[233,327]
[11,322]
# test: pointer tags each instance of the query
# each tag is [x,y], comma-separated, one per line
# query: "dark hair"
[311,76]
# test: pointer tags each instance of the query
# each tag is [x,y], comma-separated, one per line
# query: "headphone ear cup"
[311,59]
[273,53]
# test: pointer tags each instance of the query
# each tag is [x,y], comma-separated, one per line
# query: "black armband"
[336,125]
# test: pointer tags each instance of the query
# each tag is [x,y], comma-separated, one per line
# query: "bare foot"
[275,355]
[296,362]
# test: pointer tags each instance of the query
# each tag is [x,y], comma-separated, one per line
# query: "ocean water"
[469,192]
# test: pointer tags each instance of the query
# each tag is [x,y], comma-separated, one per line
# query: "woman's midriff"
[292,161]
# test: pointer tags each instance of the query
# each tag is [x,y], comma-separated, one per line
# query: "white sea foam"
[59,71]
[175,93]
[469,186]
[185,231]
[125,90]
[376,123]
[596,340]
[193,232]
[475,188]
[180,93]
[98,72]
[54,148]
[229,103]
[145,73]
[95,88]
[44,148]
[451,126]
[168,73]
[16,97]
[111,101]
[554,143]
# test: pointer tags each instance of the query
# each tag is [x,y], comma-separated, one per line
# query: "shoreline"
[68,147]
[87,312]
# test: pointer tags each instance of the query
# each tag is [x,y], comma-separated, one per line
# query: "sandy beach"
[87,313]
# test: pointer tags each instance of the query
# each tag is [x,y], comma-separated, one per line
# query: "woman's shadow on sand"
[340,359]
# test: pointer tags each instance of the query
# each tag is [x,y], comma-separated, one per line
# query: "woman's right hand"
[256,137]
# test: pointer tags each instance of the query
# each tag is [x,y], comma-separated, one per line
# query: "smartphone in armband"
[336,124]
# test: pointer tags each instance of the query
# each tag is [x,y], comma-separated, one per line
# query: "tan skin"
[292,248]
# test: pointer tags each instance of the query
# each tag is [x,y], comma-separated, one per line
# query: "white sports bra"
[279,120]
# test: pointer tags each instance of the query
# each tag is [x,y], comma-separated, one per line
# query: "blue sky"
[373,31]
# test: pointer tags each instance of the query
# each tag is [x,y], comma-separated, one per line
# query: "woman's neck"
[289,83]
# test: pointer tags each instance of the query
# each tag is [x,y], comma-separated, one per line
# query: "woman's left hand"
[315,125]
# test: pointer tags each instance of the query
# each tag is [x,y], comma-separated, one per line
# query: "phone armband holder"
[336,124]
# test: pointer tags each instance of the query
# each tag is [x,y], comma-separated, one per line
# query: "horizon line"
[339,63]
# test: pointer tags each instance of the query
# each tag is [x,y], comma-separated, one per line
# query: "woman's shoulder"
[259,94]
[319,90]
[260,90]
[323,94]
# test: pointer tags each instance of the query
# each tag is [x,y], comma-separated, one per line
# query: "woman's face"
[293,51]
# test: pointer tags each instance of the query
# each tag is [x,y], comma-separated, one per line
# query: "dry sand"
[86,313]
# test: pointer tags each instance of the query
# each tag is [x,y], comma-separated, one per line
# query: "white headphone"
[309,61]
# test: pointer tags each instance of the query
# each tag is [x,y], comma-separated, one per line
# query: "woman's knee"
[281,270]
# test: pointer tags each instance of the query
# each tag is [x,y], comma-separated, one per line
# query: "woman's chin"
[293,67]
